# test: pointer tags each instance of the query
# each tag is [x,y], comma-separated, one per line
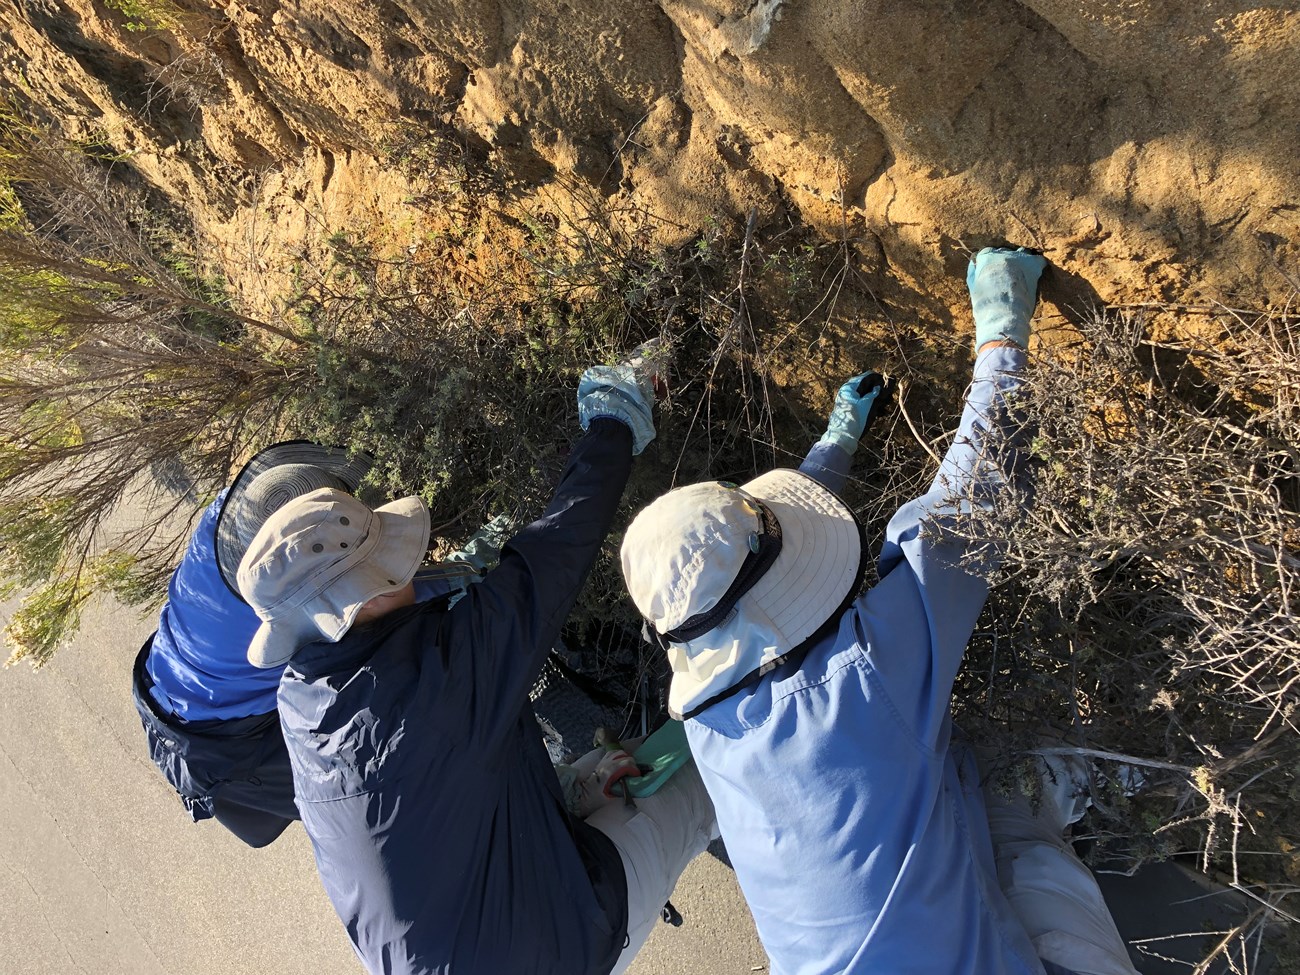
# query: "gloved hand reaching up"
[1003,285]
[858,402]
[625,391]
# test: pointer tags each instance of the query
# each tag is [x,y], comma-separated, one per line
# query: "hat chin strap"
[752,569]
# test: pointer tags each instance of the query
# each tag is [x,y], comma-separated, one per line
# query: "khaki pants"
[656,839]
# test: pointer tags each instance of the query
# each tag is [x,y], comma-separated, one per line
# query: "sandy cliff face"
[1149,145]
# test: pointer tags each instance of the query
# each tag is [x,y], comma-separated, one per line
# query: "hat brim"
[336,461]
[819,568]
[397,544]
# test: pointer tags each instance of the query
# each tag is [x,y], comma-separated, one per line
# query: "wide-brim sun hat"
[271,478]
[733,581]
[318,560]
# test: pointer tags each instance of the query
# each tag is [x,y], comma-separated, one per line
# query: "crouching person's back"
[433,809]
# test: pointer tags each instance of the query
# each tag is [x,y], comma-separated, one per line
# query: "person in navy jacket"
[440,829]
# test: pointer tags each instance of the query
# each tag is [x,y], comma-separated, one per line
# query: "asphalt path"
[102,872]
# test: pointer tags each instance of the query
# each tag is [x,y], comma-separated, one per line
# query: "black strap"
[796,653]
[671,915]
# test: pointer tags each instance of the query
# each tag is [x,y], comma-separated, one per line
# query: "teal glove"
[858,402]
[624,392]
[1003,285]
[482,550]
[469,564]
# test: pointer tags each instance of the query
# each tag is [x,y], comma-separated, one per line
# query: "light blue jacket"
[859,838]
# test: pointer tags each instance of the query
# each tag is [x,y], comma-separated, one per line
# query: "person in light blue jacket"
[819,718]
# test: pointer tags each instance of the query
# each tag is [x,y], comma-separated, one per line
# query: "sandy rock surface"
[1148,145]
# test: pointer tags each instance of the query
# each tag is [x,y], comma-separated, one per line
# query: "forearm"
[543,567]
[970,461]
[980,460]
[828,465]
[557,550]
[496,639]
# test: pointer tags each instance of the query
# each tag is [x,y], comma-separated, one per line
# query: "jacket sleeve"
[497,637]
[828,464]
[917,620]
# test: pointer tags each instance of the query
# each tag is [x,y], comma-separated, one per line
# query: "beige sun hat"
[318,559]
[735,580]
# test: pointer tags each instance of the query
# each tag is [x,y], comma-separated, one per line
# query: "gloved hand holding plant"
[858,402]
[626,391]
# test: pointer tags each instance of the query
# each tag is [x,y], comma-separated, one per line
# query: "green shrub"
[148,15]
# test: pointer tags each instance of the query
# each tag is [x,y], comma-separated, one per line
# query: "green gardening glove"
[857,403]
[1003,285]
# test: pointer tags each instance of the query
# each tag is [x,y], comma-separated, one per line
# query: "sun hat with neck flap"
[318,560]
[733,581]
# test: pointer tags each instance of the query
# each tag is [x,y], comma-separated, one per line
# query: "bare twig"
[902,409]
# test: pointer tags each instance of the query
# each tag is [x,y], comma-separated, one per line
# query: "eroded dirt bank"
[1148,145]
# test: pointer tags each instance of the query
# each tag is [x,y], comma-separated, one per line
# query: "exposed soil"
[1149,146]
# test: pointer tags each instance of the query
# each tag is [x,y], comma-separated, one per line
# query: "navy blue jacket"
[436,817]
